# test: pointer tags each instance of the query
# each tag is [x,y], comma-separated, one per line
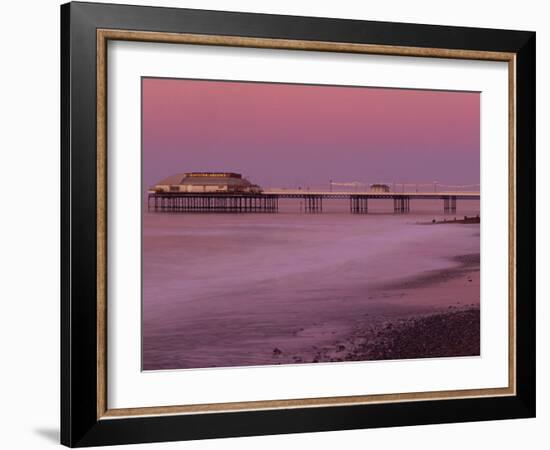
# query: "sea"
[224,290]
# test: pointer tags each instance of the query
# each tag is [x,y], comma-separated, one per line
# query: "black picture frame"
[80,425]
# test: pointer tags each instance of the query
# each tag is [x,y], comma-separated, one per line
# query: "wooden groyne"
[465,219]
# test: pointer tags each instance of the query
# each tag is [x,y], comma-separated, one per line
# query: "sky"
[289,135]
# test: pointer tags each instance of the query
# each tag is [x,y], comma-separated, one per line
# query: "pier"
[268,201]
[227,203]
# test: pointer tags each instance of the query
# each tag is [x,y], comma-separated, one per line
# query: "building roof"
[206,179]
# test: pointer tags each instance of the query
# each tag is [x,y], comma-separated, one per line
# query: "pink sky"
[305,135]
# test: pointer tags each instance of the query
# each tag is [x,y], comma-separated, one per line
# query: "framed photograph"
[277,224]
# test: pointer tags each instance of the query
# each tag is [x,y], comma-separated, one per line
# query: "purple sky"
[284,135]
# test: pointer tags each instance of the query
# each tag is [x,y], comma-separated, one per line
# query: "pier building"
[379,187]
[207,182]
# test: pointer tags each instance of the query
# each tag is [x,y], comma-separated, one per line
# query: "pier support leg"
[359,204]
[449,204]
[313,204]
[401,205]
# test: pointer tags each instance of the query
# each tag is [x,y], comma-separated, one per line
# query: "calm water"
[226,289]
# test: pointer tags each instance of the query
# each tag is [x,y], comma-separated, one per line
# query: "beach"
[450,329]
[288,288]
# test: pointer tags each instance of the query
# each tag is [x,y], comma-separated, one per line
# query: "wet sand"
[444,334]
[451,329]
